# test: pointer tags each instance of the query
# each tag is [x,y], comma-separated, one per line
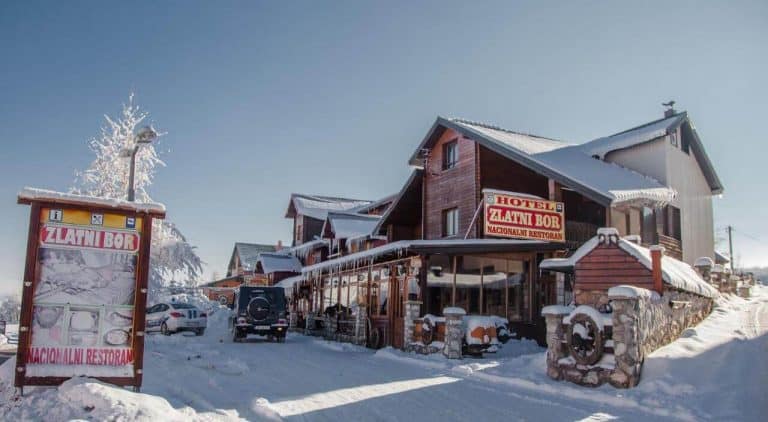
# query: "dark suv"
[259,310]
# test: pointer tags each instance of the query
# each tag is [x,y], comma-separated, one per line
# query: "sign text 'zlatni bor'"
[523,217]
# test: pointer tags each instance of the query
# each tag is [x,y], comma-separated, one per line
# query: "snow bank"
[88,399]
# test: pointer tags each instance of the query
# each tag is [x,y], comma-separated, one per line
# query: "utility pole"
[730,245]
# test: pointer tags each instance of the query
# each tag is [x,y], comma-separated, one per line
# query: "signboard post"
[85,289]
[523,217]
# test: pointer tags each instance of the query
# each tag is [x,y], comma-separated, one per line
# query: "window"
[673,138]
[685,145]
[450,154]
[450,222]
[672,222]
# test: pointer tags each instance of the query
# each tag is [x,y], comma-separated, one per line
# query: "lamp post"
[145,136]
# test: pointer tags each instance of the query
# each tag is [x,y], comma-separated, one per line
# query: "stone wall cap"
[556,310]
[608,231]
[630,292]
[454,310]
[704,261]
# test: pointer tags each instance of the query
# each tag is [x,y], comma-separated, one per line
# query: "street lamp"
[145,136]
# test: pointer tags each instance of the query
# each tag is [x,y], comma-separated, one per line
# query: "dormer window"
[450,154]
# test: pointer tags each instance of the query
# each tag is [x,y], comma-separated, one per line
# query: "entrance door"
[396,312]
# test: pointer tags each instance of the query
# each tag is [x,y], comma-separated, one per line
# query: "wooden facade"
[608,265]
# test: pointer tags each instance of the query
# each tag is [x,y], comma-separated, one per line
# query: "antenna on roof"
[670,111]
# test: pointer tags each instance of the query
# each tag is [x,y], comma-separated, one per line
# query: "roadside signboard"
[523,217]
[84,294]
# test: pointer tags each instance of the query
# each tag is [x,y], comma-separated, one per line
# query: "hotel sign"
[84,292]
[523,217]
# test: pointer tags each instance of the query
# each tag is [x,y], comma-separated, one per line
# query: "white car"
[169,318]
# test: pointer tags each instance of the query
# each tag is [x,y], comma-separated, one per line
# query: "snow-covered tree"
[172,257]
[10,309]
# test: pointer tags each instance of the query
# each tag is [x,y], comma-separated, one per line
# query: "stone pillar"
[309,324]
[361,320]
[556,350]
[454,332]
[626,342]
[704,266]
[293,318]
[330,327]
[412,312]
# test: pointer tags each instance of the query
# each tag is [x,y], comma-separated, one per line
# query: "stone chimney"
[657,251]
[670,108]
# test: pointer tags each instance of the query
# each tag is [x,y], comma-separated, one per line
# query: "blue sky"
[261,99]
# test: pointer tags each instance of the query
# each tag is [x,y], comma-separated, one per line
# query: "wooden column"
[480,298]
[453,290]
[506,289]
[139,324]
[25,319]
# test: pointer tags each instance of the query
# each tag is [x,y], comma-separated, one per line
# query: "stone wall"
[642,321]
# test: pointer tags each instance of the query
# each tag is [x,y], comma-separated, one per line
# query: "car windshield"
[182,306]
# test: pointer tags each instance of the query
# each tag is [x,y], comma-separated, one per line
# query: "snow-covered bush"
[10,308]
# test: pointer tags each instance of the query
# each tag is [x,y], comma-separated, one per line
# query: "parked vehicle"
[261,311]
[169,318]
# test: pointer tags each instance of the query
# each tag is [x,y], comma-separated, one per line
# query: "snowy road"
[715,371]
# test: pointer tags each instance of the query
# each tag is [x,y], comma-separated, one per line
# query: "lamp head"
[146,135]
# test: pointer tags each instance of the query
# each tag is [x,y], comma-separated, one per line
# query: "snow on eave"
[403,246]
[658,196]
[28,195]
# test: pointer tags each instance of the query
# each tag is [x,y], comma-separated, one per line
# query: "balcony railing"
[576,233]
[672,246]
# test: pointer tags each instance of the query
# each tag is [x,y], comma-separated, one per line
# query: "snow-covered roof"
[249,253]
[277,262]
[305,248]
[631,137]
[676,273]
[527,143]
[405,246]
[721,258]
[387,200]
[288,283]
[570,165]
[28,194]
[349,225]
[317,207]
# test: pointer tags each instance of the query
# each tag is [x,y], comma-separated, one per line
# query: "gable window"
[450,222]
[450,154]
[685,145]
